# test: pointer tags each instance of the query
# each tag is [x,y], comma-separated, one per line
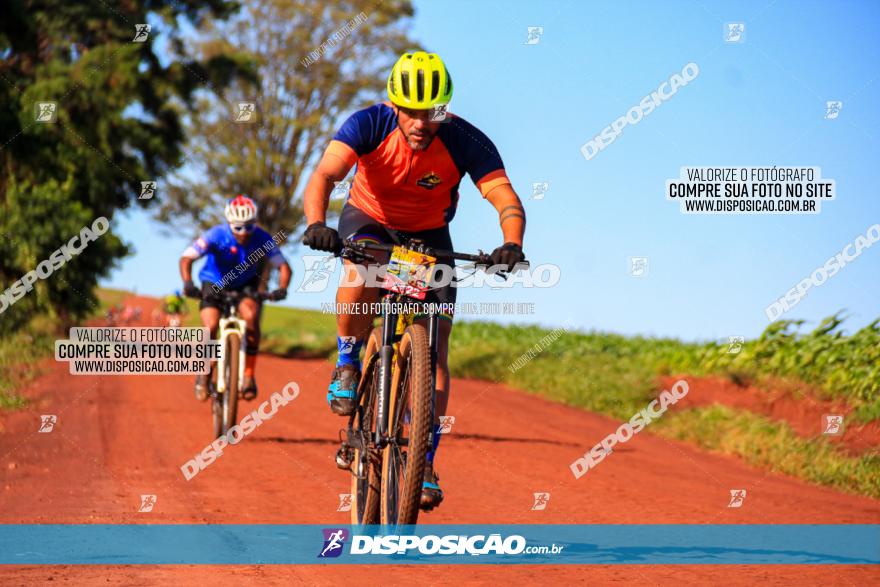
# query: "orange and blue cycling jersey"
[411,190]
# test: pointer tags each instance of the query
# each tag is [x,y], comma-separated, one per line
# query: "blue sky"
[756,103]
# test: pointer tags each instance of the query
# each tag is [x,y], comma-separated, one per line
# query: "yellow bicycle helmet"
[419,81]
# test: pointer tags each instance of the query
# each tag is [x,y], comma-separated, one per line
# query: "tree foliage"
[299,101]
[118,108]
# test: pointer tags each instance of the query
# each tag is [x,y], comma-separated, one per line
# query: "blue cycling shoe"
[343,389]
[432,495]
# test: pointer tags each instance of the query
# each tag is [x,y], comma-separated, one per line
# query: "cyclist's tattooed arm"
[511,214]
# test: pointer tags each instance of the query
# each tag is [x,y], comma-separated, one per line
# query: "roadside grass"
[20,355]
[300,333]
[773,446]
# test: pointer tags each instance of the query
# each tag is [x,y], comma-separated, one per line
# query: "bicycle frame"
[390,335]
[229,325]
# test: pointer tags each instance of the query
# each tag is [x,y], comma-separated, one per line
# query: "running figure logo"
[333,541]
[446,424]
[832,109]
[246,112]
[319,268]
[47,422]
[340,189]
[734,32]
[734,344]
[344,502]
[148,190]
[141,33]
[147,503]
[439,112]
[737,497]
[347,344]
[832,424]
[534,33]
[541,500]
[45,112]
[638,266]
[540,189]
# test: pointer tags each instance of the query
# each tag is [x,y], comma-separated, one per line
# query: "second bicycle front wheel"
[410,429]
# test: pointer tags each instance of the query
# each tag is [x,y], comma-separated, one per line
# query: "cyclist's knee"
[248,310]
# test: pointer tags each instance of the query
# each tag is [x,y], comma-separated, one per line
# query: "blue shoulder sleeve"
[365,130]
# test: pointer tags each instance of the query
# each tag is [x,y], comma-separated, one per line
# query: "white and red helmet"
[240,209]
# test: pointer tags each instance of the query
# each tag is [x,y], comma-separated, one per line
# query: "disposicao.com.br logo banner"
[278,544]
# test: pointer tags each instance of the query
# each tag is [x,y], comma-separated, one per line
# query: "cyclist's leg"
[209,313]
[354,318]
[249,311]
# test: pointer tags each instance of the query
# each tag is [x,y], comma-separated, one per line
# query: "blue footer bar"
[678,544]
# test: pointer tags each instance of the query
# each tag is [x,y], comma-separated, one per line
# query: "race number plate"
[409,273]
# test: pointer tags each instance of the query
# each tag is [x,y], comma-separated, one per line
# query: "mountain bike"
[391,430]
[225,382]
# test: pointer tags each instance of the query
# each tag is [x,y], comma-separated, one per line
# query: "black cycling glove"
[509,254]
[190,289]
[321,237]
[278,294]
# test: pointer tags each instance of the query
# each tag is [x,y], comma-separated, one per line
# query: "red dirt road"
[120,437]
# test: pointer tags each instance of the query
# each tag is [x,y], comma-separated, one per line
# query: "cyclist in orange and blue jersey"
[411,156]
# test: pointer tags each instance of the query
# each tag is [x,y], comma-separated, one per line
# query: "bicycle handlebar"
[232,295]
[481,258]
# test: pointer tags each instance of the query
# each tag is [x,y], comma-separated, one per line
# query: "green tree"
[316,61]
[117,123]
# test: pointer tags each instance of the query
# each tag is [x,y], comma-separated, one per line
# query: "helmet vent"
[404,84]
[435,84]
[420,85]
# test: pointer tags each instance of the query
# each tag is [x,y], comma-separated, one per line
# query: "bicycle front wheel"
[410,429]
[230,396]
